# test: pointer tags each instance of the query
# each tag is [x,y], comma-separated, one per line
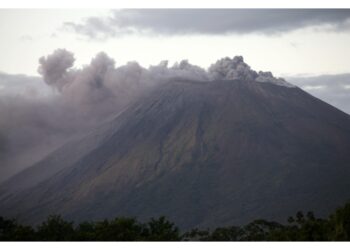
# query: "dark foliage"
[299,228]
[56,229]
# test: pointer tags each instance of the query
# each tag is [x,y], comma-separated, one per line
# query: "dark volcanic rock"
[201,153]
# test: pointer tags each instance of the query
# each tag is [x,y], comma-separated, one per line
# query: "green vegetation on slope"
[299,228]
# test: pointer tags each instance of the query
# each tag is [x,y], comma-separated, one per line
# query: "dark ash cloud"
[208,21]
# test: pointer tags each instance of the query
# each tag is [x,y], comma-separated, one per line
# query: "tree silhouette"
[340,221]
[119,229]
[299,228]
[10,230]
[56,229]
[161,230]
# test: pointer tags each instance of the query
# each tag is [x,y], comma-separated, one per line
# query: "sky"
[64,72]
[286,42]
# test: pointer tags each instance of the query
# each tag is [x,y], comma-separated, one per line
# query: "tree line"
[301,227]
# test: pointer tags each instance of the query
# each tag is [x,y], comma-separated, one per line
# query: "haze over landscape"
[174,112]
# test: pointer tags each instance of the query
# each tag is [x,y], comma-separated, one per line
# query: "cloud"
[235,68]
[333,89]
[93,27]
[37,115]
[228,68]
[310,87]
[208,21]
[22,85]
[26,38]
[54,67]
[29,128]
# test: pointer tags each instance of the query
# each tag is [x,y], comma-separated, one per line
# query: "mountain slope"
[201,153]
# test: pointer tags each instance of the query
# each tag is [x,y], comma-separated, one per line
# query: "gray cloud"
[227,68]
[208,21]
[22,85]
[333,89]
[235,68]
[38,115]
[54,67]
[29,127]
[93,27]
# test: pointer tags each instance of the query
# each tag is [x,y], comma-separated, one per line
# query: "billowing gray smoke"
[235,68]
[101,80]
[228,69]
[54,67]
[33,125]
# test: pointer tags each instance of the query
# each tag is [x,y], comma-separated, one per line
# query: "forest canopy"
[301,227]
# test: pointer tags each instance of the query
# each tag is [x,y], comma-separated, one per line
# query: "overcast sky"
[286,42]
[40,113]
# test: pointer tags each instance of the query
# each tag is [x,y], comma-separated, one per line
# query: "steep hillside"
[201,153]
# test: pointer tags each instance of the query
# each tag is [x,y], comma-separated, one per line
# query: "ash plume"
[32,125]
[229,69]
[54,67]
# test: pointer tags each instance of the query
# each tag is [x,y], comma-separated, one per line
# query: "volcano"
[202,153]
